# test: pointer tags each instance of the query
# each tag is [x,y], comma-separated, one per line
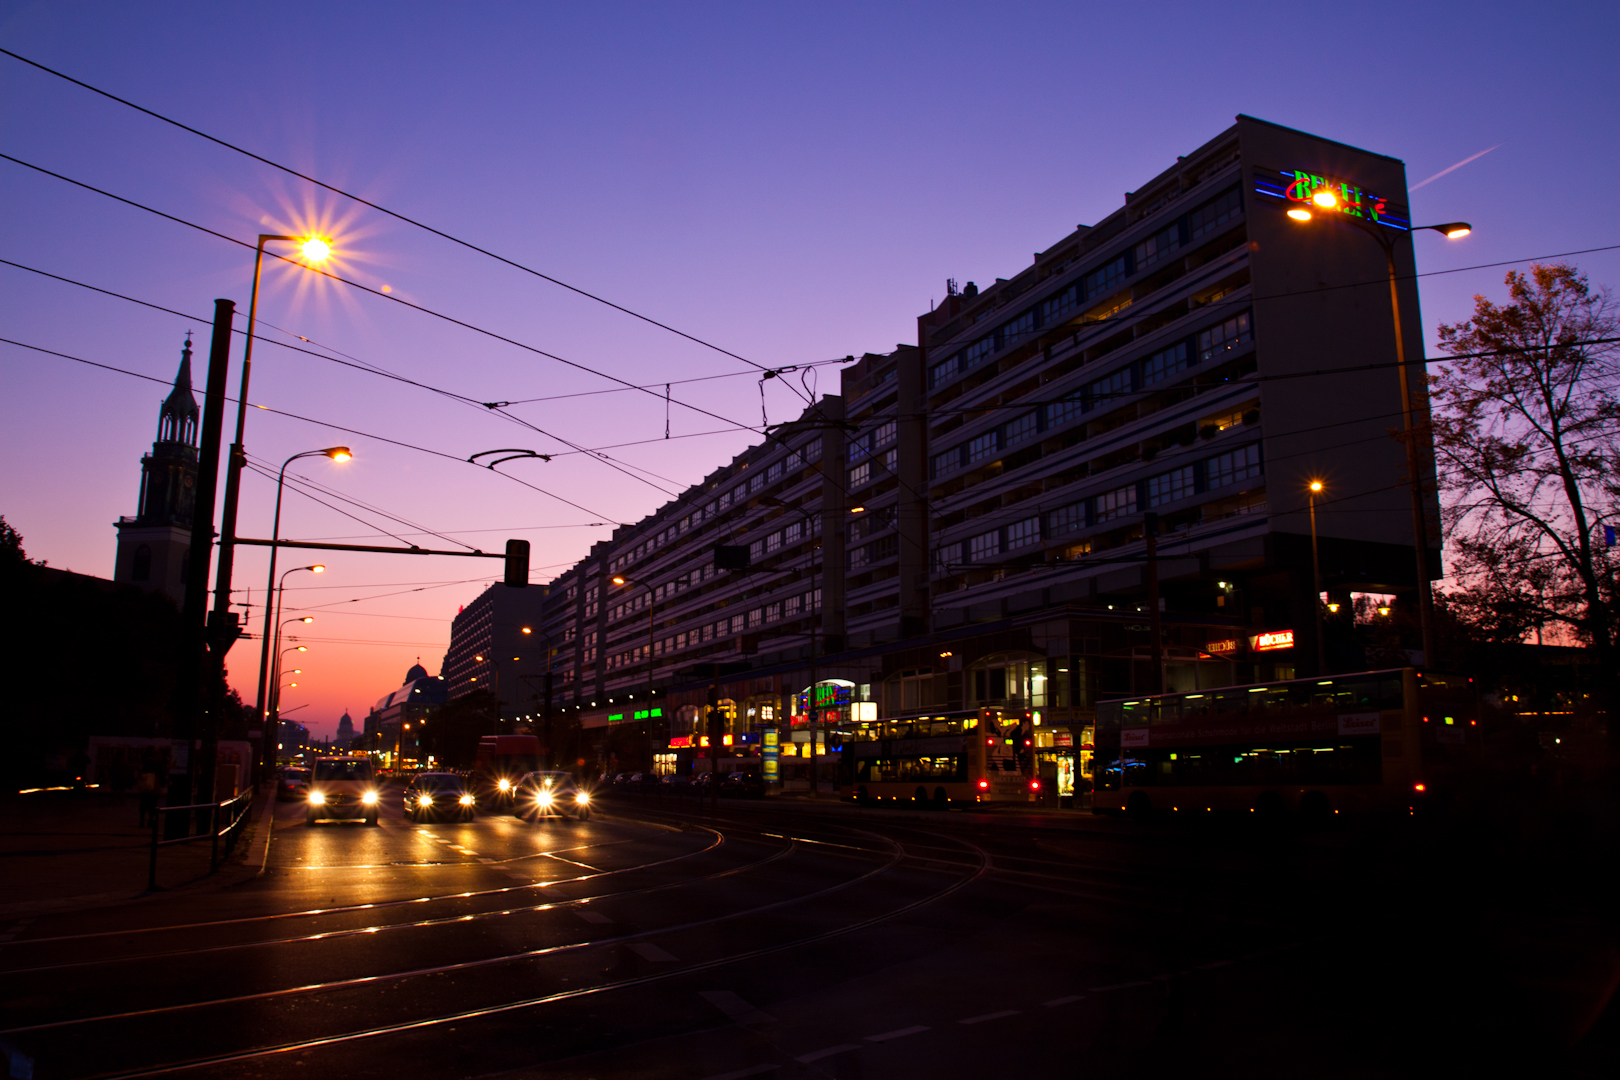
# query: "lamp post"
[337,454]
[274,714]
[815,621]
[315,250]
[1315,489]
[551,756]
[1385,238]
[275,674]
[621,581]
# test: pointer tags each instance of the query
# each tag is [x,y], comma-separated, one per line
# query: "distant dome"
[417,672]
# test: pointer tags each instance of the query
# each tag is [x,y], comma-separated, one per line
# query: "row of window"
[1208,344]
[787,608]
[760,480]
[886,547]
[1231,467]
[872,441]
[791,533]
[867,471]
[1188,229]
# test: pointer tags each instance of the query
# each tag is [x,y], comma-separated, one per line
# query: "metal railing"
[234,810]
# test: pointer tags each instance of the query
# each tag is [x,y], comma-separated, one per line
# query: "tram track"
[893,857]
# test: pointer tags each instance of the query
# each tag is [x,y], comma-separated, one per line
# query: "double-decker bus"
[951,759]
[1373,740]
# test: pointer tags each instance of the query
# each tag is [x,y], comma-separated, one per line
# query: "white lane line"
[1070,1000]
[649,951]
[842,1048]
[900,1034]
[989,1016]
[735,1007]
[740,1073]
[593,916]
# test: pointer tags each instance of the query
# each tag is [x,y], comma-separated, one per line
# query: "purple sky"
[793,183]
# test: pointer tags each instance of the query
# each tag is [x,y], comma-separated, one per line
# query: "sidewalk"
[60,851]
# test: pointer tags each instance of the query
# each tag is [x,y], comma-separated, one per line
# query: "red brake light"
[1420,787]
[1034,785]
[984,783]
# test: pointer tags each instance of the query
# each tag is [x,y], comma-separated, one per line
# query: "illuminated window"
[1116,504]
[1224,337]
[1212,215]
[1165,363]
[1170,486]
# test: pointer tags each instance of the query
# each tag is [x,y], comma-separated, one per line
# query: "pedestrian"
[147,788]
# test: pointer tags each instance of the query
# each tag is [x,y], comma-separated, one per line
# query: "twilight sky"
[793,183]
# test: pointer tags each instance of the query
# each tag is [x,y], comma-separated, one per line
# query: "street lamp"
[621,580]
[1385,239]
[815,620]
[315,249]
[339,454]
[1316,577]
[275,698]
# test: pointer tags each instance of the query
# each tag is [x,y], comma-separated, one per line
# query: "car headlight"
[504,784]
[544,798]
[466,800]
[582,797]
[369,798]
[316,798]
[424,800]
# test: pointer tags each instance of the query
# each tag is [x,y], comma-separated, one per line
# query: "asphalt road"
[661,940]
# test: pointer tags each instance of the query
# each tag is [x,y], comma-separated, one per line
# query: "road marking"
[593,916]
[735,1007]
[740,1073]
[829,1052]
[900,1034]
[1070,1000]
[484,860]
[989,1016]
[648,951]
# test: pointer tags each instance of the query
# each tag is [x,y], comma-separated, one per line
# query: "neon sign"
[1224,646]
[1273,640]
[1330,195]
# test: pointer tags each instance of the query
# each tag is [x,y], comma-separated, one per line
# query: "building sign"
[1272,640]
[1359,723]
[770,767]
[1224,647]
[680,740]
[1349,200]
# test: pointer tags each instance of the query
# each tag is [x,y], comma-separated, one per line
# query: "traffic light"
[517,563]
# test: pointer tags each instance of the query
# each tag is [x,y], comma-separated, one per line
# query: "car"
[438,796]
[743,784]
[676,785]
[702,783]
[550,793]
[292,784]
[342,788]
[621,780]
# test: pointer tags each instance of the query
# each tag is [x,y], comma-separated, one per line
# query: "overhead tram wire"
[391,213]
[310,420]
[332,492]
[304,488]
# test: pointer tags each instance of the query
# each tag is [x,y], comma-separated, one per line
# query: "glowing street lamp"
[1315,488]
[1385,238]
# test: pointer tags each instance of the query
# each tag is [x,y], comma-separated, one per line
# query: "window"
[756,550]
[940,374]
[1018,430]
[1159,246]
[722,628]
[949,461]
[725,500]
[891,460]
[1170,486]
[1116,504]
[1233,466]
[1105,277]
[1023,533]
[737,624]
[885,548]
[757,483]
[774,473]
[1224,337]
[1212,215]
[859,447]
[948,554]
[885,434]
[857,558]
[1103,392]
[1021,327]
[790,535]
[790,607]
[975,354]
[773,612]
[756,618]
[773,542]
[1066,519]
[860,474]
[1061,412]
[1054,308]
[985,546]
[1164,363]
[811,450]
[983,447]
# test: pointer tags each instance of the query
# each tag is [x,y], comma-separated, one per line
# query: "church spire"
[177,421]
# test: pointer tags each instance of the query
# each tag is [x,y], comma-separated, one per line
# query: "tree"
[1527,434]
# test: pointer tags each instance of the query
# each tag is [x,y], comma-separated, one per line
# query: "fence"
[234,810]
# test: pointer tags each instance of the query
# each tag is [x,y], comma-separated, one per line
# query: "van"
[342,788]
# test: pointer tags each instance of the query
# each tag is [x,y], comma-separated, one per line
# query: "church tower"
[154,544]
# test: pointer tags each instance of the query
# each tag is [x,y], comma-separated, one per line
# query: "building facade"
[964,527]
[496,644]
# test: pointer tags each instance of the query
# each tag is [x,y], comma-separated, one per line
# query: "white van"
[342,787]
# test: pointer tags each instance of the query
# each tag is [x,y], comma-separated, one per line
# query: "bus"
[501,761]
[1373,740]
[955,759]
